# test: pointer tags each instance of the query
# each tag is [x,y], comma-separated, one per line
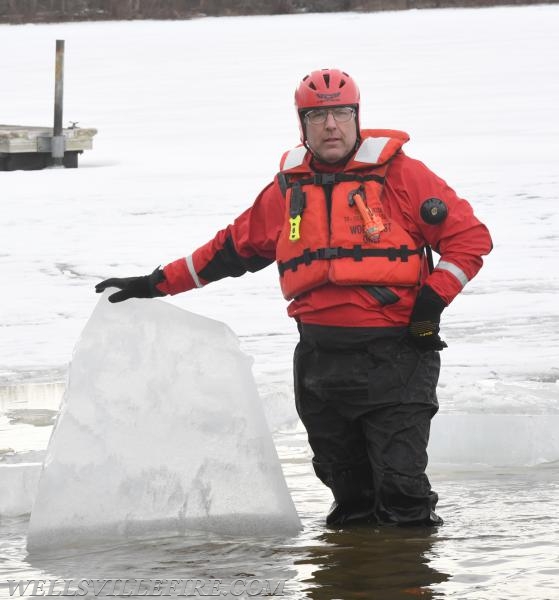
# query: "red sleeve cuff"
[444,285]
[178,278]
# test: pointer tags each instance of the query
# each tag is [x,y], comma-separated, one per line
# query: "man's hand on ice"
[133,287]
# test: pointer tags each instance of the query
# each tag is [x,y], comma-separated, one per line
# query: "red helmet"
[325,87]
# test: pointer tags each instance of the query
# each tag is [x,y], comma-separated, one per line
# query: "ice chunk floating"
[18,482]
[161,429]
[499,440]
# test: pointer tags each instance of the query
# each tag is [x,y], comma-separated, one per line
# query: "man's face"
[331,132]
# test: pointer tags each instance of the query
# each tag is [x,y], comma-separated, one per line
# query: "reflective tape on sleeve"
[456,271]
[192,271]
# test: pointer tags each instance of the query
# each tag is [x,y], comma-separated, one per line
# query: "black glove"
[424,321]
[133,287]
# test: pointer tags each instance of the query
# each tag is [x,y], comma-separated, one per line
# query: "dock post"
[58,142]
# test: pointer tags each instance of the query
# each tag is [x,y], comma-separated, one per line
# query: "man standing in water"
[350,220]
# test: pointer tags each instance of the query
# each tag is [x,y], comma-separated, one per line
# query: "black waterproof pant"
[366,397]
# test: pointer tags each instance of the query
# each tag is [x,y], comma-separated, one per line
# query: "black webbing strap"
[383,295]
[286,181]
[282,180]
[429,255]
[357,253]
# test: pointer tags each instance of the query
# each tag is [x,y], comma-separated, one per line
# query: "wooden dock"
[30,148]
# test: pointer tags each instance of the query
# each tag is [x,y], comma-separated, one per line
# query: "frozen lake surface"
[193,117]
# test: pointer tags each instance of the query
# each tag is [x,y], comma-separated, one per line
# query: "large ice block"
[161,429]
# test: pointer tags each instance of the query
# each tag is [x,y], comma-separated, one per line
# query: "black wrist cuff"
[156,277]
[428,306]
[428,294]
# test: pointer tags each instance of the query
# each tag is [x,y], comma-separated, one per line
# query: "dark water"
[500,541]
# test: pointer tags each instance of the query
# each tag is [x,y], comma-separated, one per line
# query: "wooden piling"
[58,143]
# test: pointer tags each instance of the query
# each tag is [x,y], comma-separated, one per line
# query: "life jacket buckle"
[324,178]
[328,253]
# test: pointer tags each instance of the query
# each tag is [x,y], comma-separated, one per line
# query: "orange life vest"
[335,228]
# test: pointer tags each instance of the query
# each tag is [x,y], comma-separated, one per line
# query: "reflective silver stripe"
[294,158]
[456,271]
[371,149]
[192,271]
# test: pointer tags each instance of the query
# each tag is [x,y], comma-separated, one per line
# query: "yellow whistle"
[294,225]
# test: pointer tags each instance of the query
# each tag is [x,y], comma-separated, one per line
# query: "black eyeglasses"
[341,114]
